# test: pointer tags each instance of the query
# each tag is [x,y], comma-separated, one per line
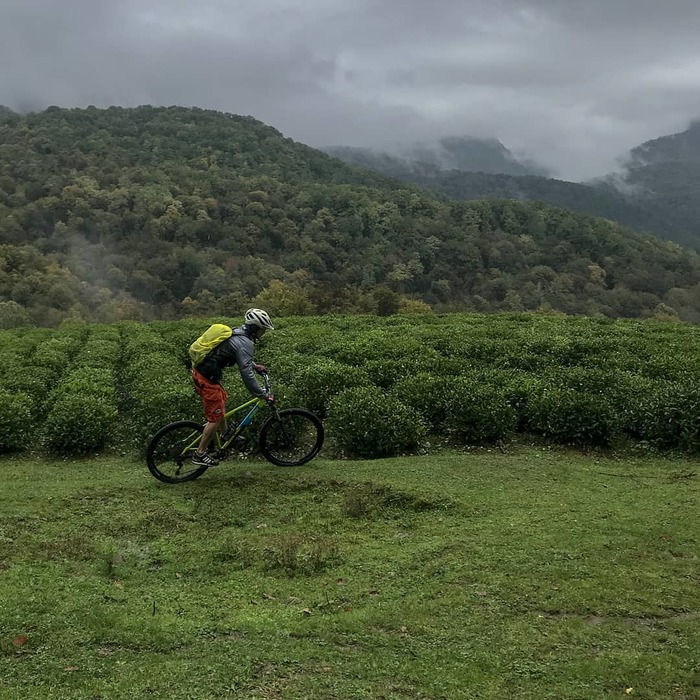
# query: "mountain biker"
[238,349]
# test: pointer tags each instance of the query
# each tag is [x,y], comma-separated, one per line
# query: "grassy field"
[532,573]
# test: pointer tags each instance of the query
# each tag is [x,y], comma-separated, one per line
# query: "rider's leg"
[207,435]
[214,402]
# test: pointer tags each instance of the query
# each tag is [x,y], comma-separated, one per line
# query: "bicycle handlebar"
[266,379]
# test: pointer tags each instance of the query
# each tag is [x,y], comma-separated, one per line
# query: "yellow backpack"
[206,342]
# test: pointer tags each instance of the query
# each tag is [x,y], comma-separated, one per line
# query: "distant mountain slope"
[449,153]
[384,163]
[683,147]
[473,155]
[664,174]
[659,194]
[602,199]
[161,212]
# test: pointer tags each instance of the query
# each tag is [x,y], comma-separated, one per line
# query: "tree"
[388,302]
[12,315]
[663,312]
[413,306]
[512,301]
[283,299]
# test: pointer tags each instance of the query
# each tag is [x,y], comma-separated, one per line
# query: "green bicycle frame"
[254,404]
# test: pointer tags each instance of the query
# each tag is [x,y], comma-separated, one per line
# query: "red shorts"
[213,397]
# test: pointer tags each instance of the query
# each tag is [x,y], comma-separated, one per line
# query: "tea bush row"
[556,379]
[33,363]
[156,388]
[385,385]
[479,379]
[83,407]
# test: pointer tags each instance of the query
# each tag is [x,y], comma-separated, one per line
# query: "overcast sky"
[575,83]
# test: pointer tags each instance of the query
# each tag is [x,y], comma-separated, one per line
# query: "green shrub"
[580,351]
[139,345]
[367,423]
[396,346]
[34,381]
[478,412]
[629,398]
[52,359]
[93,382]
[592,381]
[569,416]
[151,410]
[427,394]
[387,372]
[523,360]
[315,385]
[99,354]
[60,350]
[152,367]
[669,417]
[79,423]
[16,419]
[283,366]
[518,390]
[667,364]
[181,334]
[156,389]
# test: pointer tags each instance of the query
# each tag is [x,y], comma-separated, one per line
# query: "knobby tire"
[291,437]
[163,453]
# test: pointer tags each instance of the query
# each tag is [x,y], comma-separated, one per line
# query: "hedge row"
[33,363]
[479,379]
[384,386]
[82,411]
[156,388]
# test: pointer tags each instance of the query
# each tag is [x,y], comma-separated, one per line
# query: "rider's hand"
[260,369]
[270,399]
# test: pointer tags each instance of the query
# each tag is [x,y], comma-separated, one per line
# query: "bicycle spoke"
[170,452]
[291,438]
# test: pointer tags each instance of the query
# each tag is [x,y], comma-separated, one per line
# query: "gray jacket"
[236,350]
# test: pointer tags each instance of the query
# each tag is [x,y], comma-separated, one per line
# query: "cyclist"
[238,349]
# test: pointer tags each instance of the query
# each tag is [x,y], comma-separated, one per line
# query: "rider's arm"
[244,360]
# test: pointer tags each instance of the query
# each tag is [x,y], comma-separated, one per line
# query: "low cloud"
[574,85]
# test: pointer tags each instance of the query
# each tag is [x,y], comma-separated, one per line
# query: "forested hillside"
[164,212]
[603,199]
[665,172]
[662,198]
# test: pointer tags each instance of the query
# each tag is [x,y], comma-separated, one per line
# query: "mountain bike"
[288,438]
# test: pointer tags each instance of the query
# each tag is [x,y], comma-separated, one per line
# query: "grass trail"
[530,574]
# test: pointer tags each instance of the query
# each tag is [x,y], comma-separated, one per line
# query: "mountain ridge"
[158,212]
[463,153]
[658,191]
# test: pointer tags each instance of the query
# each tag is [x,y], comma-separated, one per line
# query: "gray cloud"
[574,84]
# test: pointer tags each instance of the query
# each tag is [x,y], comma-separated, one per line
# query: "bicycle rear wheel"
[291,437]
[169,453]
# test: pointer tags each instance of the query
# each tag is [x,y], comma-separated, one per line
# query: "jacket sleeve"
[244,359]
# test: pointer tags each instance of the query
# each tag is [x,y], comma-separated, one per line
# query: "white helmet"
[259,318]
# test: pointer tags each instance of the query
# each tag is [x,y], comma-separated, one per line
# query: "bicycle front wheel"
[291,437]
[169,453]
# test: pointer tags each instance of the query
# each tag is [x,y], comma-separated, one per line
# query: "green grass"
[529,574]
